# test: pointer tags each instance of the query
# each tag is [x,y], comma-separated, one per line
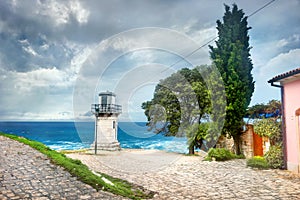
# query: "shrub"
[219,154]
[257,162]
[274,157]
[266,127]
[241,156]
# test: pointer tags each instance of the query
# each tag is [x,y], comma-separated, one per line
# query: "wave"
[65,145]
[175,145]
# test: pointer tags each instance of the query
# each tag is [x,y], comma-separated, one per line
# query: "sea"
[80,135]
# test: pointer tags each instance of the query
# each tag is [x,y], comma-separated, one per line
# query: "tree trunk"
[191,149]
[237,144]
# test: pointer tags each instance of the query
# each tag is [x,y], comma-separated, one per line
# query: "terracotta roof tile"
[284,75]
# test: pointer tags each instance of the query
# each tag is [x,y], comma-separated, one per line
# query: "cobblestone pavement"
[27,174]
[188,177]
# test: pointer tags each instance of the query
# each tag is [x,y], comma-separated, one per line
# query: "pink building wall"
[291,104]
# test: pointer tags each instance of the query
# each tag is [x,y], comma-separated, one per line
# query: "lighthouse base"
[115,146]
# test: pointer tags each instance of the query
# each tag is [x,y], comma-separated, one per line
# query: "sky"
[56,56]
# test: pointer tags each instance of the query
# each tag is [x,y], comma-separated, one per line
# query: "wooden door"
[257,145]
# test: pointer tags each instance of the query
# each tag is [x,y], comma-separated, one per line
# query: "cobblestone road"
[188,177]
[28,174]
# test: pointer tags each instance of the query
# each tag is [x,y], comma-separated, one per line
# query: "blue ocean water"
[71,135]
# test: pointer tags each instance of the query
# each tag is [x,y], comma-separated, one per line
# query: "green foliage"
[266,127]
[82,172]
[257,162]
[196,134]
[232,58]
[273,106]
[219,154]
[178,102]
[256,111]
[274,157]
[187,99]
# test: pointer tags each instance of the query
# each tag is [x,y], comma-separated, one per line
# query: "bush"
[257,162]
[241,156]
[274,157]
[266,127]
[219,154]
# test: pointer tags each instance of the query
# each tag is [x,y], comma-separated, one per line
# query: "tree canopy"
[190,102]
[271,109]
[178,101]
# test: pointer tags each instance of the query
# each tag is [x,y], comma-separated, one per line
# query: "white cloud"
[45,93]
[281,43]
[30,50]
[39,116]
[41,78]
[44,47]
[60,12]
[282,63]
[81,14]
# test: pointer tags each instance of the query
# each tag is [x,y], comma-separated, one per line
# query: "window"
[114,124]
[104,100]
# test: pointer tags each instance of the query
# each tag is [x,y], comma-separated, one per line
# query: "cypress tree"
[232,58]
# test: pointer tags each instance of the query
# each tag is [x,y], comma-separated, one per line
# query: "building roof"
[288,75]
[107,93]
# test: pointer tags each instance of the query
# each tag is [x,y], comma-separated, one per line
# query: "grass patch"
[82,172]
[258,162]
[191,154]
[73,151]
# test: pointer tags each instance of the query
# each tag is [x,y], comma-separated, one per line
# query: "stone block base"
[115,146]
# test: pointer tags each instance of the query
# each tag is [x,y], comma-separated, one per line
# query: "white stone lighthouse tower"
[106,122]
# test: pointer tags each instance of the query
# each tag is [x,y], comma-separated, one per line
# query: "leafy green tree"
[179,102]
[256,111]
[232,58]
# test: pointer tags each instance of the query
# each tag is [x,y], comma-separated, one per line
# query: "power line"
[261,8]
[205,44]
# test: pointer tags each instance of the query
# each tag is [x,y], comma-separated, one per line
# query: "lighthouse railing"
[106,108]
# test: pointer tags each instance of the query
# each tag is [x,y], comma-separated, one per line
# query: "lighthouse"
[106,113]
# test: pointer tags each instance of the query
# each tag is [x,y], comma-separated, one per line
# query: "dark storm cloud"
[29,40]
[51,31]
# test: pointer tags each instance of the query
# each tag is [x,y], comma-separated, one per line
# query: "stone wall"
[225,142]
[247,142]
